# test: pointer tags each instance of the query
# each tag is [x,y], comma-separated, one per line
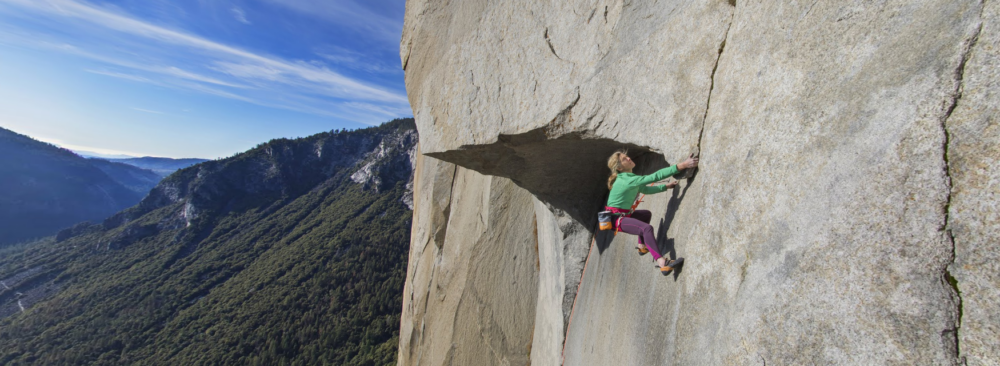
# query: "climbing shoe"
[642,250]
[665,270]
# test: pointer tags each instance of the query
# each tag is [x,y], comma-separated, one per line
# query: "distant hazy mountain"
[292,253]
[44,188]
[162,166]
[132,177]
[91,154]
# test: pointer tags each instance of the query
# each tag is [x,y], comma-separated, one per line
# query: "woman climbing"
[625,186]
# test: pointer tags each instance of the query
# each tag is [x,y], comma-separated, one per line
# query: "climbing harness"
[630,211]
[612,218]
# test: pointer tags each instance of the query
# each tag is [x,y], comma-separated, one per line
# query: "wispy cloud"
[350,14]
[386,111]
[239,15]
[176,71]
[147,110]
[356,60]
[219,93]
[174,58]
[119,75]
[250,71]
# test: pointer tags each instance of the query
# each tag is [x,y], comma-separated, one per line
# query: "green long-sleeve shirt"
[628,185]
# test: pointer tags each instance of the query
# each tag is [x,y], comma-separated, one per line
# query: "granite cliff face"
[845,211]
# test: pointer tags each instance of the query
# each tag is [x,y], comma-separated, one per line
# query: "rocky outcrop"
[390,162]
[845,211]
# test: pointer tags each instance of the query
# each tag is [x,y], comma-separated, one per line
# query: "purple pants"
[639,225]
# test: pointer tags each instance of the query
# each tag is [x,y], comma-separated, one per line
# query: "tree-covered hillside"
[44,188]
[275,256]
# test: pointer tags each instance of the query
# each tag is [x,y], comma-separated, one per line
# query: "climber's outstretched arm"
[657,188]
[667,172]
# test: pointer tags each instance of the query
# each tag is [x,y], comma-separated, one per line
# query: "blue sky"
[196,78]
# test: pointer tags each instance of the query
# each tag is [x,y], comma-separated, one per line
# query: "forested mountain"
[162,166]
[44,188]
[292,253]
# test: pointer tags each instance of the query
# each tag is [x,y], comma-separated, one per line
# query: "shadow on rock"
[603,239]
[667,244]
[569,172]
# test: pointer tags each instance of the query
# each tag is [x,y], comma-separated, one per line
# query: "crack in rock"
[442,231]
[711,88]
[959,77]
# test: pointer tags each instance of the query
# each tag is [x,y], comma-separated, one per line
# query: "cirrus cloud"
[139,50]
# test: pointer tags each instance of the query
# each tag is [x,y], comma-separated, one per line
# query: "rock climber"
[625,186]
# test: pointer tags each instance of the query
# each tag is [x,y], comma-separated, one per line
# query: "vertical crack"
[538,259]
[711,88]
[406,59]
[442,231]
[954,286]
[959,76]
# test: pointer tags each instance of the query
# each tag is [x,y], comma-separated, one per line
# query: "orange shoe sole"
[665,270]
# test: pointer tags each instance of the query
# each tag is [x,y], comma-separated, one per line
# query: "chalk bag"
[606,220]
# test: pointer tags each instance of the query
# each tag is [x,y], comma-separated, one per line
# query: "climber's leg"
[645,231]
[644,216]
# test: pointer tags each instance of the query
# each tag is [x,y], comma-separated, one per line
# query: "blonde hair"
[615,164]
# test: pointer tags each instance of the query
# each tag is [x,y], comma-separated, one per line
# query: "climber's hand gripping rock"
[690,162]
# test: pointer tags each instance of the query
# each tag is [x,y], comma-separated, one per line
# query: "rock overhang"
[568,172]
